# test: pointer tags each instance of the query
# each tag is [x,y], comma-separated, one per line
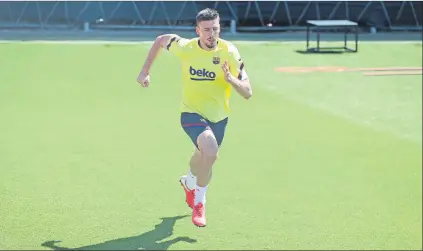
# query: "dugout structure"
[239,16]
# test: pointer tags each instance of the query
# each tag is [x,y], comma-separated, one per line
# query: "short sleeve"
[236,64]
[176,45]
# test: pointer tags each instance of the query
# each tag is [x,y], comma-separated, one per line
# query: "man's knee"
[208,144]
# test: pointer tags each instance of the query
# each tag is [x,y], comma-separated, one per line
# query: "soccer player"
[211,68]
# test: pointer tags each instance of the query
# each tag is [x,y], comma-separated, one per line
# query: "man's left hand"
[228,76]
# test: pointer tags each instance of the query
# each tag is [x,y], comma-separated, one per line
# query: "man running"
[211,68]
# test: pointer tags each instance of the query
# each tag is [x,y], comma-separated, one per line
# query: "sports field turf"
[313,161]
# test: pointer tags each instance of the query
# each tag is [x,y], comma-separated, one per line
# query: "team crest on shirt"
[216,60]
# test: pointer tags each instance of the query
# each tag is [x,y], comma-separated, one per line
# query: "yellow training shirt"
[205,90]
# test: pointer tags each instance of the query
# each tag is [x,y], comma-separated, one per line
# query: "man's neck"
[204,47]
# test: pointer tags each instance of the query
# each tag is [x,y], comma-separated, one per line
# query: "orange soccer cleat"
[199,215]
[189,194]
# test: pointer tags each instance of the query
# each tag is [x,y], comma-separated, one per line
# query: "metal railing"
[246,15]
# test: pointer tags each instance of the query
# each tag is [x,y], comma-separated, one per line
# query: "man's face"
[209,31]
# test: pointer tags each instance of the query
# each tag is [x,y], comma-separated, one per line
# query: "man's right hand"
[160,42]
[144,79]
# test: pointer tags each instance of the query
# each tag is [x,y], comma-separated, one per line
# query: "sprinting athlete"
[211,68]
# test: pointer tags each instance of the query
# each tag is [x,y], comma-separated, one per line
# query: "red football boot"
[189,194]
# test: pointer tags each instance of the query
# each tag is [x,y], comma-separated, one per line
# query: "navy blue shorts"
[194,124]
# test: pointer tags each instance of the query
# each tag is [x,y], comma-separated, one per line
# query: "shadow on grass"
[148,241]
[318,52]
[325,51]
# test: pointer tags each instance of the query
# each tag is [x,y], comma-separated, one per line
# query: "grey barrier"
[180,15]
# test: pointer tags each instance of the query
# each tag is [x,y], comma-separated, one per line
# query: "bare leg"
[208,146]
[208,149]
[195,162]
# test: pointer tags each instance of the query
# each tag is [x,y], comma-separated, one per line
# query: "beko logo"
[201,74]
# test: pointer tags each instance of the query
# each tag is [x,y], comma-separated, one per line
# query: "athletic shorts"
[194,124]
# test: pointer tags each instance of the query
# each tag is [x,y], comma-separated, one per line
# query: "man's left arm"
[236,75]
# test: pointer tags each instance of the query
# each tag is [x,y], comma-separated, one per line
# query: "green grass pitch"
[312,161]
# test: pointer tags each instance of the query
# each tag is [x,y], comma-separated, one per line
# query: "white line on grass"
[150,42]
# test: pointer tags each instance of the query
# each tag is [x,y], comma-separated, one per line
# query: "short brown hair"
[206,15]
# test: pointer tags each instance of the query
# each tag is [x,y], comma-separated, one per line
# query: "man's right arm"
[162,41]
